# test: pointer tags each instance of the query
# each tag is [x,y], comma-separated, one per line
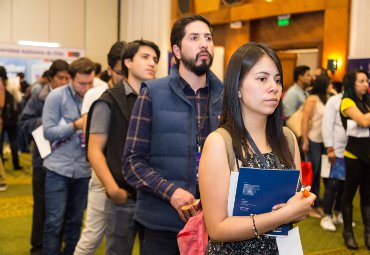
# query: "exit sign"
[283,22]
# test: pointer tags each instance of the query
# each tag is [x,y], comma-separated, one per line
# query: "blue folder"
[258,190]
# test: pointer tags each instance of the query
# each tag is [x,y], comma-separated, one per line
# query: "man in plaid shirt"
[170,121]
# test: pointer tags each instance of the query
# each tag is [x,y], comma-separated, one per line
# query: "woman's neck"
[256,126]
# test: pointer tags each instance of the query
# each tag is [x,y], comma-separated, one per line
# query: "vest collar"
[216,87]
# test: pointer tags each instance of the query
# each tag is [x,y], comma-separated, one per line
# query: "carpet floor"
[16,219]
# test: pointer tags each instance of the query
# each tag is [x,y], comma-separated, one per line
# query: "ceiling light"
[40,44]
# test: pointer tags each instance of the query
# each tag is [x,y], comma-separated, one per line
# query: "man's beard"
[201,69]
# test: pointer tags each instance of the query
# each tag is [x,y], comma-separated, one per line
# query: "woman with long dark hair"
[253,88]
[313,143]
[355,115]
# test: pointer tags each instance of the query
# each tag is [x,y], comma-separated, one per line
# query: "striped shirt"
[143,176]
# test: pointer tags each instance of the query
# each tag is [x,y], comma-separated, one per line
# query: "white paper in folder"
[325,166]
[42,144]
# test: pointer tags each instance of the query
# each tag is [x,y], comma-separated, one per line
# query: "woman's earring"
[239,94]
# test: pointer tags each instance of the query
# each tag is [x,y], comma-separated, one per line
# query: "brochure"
[255,191]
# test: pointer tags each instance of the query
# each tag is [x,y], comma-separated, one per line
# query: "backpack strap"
[289,136]
[229,146]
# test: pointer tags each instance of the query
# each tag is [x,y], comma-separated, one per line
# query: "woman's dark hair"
[105,76]
[3,74]
[97,68]
[349,82]
[320,87]
[240,64]
[57,66]
[338,86]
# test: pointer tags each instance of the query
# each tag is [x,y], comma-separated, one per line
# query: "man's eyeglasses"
[118,72]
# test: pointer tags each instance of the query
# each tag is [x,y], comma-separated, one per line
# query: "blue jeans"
[314,153]
[120,229]
[65,201]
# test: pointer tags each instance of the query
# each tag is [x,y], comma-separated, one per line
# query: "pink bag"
[193,238]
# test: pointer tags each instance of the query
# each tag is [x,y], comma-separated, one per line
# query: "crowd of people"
[134,150]
[335,122]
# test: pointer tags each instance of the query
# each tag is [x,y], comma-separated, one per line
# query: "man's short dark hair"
[178,29]
[20,75]
[133,47]
[81,66]
[97,68]
[300,70]
[57,66]
[115,53]
[46,73]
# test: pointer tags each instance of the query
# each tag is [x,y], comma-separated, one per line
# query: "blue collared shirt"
[293,99]
[62,107]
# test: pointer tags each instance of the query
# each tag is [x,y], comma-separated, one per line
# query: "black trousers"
[154,242]
[38,186]
[333,194]
[13,141]
[357,175]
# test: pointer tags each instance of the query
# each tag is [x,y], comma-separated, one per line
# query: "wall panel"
[150,20]
[231,39]
[359,35]
[101,29]
[304,31]
[30,20]
[336,34]
[67,23]
[5,21]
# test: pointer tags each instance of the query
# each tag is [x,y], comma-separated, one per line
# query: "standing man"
[169,124]
[94,229]
[30,120]
[296,95]
[67,171]
[106,135]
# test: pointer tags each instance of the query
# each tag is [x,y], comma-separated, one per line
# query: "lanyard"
[202,124]
[259,154]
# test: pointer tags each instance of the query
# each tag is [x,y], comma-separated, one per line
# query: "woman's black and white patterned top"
[265,245]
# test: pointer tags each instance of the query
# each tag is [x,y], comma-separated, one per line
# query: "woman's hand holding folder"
[300,205]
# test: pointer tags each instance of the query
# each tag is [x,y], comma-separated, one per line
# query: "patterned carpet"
[16,219]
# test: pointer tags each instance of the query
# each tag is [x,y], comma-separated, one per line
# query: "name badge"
[198,155]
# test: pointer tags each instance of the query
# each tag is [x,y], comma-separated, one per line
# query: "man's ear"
[128,63]
[177,51]
[109,70]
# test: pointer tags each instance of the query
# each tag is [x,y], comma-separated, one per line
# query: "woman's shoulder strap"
[229,146]
[289,136]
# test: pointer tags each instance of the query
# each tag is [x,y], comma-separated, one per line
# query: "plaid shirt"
[137,150]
